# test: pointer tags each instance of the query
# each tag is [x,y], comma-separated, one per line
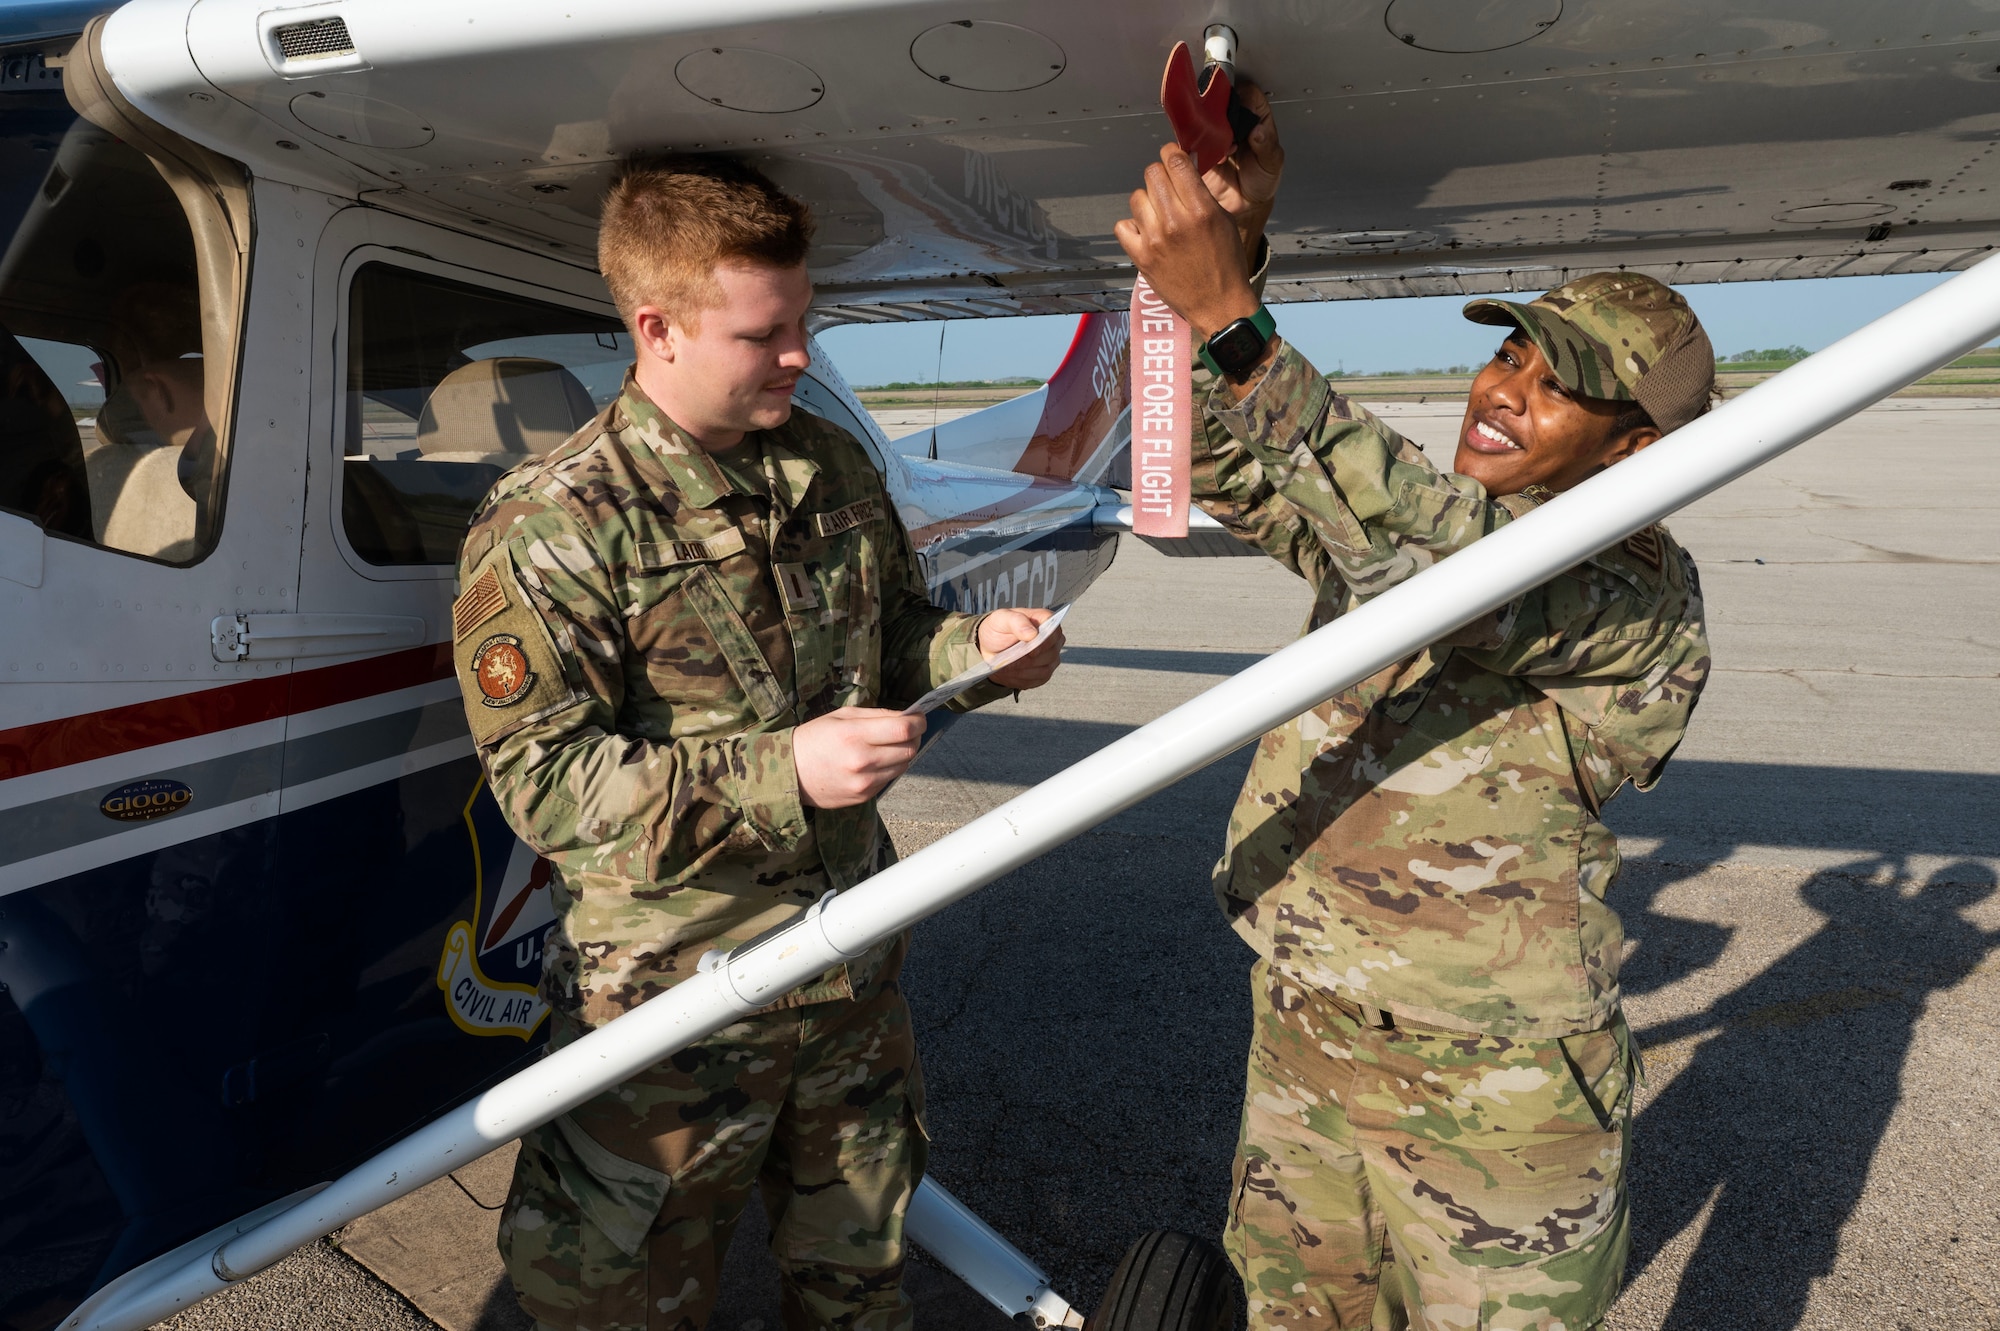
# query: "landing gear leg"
[1167,1282]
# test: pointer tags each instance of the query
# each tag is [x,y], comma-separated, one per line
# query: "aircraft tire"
[1169,1281]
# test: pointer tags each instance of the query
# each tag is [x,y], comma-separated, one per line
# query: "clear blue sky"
[1364,336]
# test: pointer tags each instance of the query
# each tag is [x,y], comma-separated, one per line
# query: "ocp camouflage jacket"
[640,629]
[1427,842]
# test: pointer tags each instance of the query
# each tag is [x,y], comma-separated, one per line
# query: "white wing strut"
[1794,406]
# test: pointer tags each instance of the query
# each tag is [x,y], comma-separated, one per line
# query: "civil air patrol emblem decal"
[500,668]
[491,965]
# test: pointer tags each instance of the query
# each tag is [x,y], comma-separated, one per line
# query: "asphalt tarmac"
[1810,893]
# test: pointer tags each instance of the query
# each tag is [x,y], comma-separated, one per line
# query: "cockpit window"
[448,387]
[105,394]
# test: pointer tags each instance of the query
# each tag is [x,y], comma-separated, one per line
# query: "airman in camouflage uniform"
[645,624]
[1439,1089]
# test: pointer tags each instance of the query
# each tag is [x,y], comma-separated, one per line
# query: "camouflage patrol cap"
[1621,336]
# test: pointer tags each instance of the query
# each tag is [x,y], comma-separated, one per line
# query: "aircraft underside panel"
[1433,148]
[984,571]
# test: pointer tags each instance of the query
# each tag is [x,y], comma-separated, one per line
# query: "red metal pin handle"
[1198,110]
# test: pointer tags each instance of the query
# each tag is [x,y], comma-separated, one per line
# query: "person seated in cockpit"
[154,426]
[155,346]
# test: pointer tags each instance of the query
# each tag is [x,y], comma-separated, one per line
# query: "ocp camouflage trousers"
[1390,1178]
[621,1210]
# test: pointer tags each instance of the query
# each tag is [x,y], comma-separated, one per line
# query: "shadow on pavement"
[1707,810]
[1779,1113]
[502,1311]
[1083,1024]
[1084,1019]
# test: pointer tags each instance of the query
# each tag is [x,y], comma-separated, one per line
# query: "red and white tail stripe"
[1066,430]
[1083,399]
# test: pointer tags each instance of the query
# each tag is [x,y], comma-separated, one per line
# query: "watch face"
[1237,347]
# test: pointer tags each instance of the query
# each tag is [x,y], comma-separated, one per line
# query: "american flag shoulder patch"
[485,598]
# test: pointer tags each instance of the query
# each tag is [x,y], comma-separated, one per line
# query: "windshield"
[104,429]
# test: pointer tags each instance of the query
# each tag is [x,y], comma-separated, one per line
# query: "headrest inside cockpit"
[502,410]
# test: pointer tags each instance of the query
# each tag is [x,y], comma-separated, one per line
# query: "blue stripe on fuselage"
[191,1032]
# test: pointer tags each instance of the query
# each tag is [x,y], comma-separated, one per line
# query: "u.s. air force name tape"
[848,518]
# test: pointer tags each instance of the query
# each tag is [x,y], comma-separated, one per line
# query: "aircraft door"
[446,362]
[152,417]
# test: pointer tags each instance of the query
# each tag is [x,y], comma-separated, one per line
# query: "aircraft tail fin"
[1086,397]
[1073,428]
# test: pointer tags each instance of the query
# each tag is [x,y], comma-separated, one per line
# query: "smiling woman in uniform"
[1439,1092]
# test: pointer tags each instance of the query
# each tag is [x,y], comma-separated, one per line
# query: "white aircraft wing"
[968,166]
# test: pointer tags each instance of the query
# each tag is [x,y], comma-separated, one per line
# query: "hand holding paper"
[1022,646]
[851,754]
[1025,647]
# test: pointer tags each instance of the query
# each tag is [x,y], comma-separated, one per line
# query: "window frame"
[412,261]
[213,193]
[861,424]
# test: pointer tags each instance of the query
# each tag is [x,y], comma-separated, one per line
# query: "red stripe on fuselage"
[77,739]
[331,685]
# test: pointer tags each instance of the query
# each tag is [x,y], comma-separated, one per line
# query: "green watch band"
[1240,344]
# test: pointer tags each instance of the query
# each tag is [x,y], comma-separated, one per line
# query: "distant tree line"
[907,386]
[1769,356]
[1420,372]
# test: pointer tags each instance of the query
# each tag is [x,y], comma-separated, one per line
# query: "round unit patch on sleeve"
[501,669]
[509,672]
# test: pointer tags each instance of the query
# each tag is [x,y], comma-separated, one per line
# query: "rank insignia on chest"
[500,668]
[795,587]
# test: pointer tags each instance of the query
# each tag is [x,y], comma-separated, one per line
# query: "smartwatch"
[1232,352]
